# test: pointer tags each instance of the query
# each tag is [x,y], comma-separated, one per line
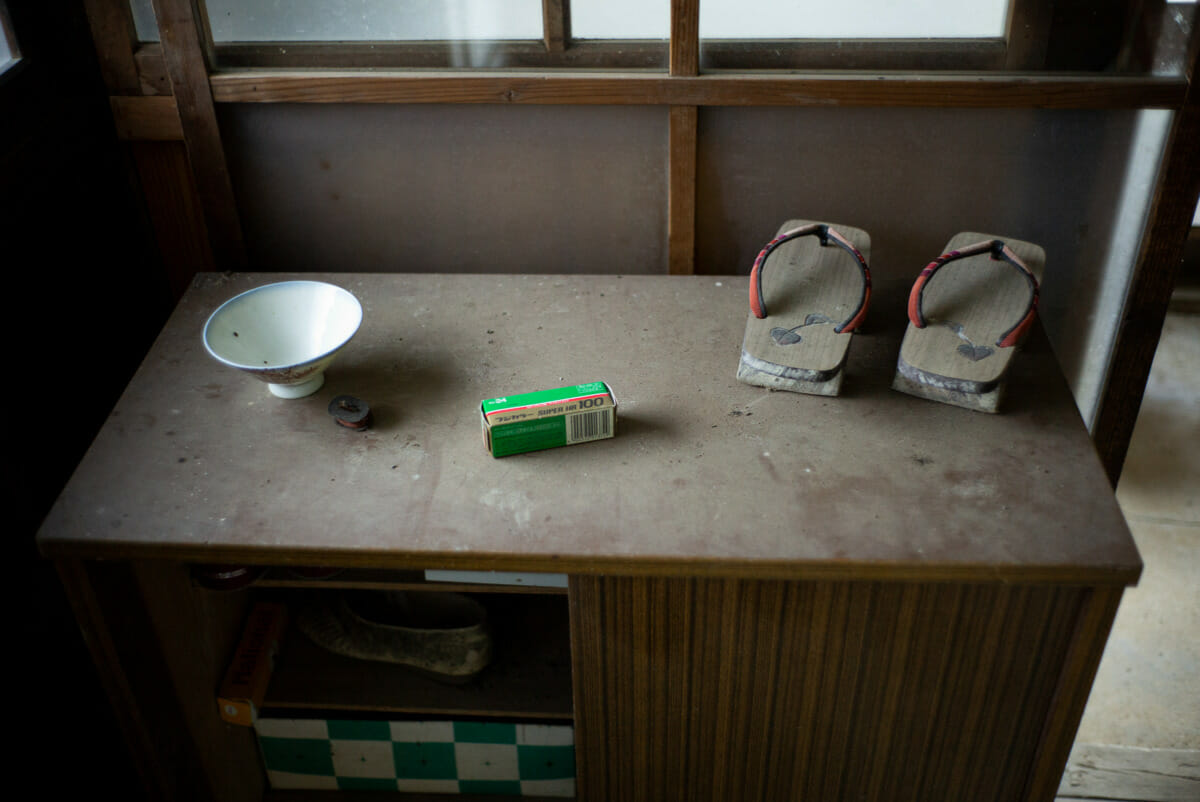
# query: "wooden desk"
[771,595]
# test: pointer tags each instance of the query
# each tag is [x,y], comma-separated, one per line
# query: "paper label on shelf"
[498,578]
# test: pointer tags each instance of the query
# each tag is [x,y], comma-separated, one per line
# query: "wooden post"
[556,25]
[681,190]
[1169,220]
[115,39]
[184,54]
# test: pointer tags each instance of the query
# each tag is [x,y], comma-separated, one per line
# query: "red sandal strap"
[999,252]
[826,234]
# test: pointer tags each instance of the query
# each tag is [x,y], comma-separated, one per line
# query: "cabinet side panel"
[113,616]
[1090,633]
[730,689]
[198,630]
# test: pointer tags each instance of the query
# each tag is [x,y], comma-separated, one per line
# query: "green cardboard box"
[564,416]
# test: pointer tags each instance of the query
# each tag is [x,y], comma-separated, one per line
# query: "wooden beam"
[173,206]
[152,69]
[685,37]
[183,51]
[681,161]
[153,119]
[1027,32]
[941,90]
[115,39]
[681,192]
[1167,228]
[556,25]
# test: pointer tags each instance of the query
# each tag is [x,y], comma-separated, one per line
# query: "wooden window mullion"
[681,166]
[685,37]
[556,25]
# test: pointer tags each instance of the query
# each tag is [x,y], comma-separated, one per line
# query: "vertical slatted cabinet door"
[713,689]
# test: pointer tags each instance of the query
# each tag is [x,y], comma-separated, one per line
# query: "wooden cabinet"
[770,595]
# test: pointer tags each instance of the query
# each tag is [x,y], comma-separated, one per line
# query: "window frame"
[1032,32]
[10,49]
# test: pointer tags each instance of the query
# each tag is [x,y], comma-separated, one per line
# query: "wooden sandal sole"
[804,309]
[968,319]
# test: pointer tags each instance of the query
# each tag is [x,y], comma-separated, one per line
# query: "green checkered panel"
[453,757]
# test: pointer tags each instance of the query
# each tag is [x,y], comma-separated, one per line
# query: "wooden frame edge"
[152,118]
[681,191]
[961,90]
[183,50]
[115,39]
[1169,223]
[556,25]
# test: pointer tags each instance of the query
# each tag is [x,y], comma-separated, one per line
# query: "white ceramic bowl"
[285,334]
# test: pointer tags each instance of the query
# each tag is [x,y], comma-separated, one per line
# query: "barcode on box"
[585,426]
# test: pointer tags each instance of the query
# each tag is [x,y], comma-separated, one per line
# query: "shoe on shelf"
[442,635]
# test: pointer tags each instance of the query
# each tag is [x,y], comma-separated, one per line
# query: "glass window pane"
[621,19]
[373,20]
[9,54]
[852,19]
[144,22]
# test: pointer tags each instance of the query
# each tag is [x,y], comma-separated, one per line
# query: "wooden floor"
[1140,734]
